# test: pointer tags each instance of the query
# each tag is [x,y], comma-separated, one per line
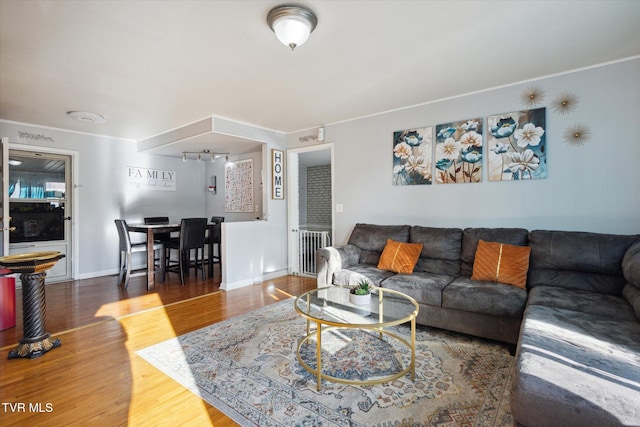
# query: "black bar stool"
[215,237]
[192,237]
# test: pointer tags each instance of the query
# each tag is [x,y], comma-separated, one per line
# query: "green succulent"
[362,288]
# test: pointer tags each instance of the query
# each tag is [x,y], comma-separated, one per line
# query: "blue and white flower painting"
[517,145]
[459,152]
[412,156]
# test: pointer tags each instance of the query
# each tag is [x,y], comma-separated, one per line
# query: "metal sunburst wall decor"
[565,103]
[576,135]
[532,96]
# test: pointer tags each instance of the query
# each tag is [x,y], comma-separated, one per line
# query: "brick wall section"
[319,195]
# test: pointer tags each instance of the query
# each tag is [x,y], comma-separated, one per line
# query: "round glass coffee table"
[329,308]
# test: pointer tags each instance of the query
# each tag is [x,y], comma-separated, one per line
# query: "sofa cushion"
[484,297]
[632,294]
[578,260]
[440,249]
[609,306]
[471,236]
[576,369]
[425,288]
[357,272]
[501,263]
[631,272]
[631,264]
[399,257]
[372,239]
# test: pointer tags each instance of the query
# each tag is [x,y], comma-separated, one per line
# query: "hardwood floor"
[95,377]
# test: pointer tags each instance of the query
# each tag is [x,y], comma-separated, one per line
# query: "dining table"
[151,230]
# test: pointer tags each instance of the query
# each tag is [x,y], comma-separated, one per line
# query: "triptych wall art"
[515,150]
[412,156]
[459,152]
[517,146]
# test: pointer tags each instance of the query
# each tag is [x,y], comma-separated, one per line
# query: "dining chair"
[192,237]
[216,236]
[127,249]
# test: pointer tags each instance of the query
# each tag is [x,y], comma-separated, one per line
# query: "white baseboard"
[93,274]
[252,281]
[223,285]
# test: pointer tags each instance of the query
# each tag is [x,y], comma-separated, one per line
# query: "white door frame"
[75,205]
[293,207]
[4,197]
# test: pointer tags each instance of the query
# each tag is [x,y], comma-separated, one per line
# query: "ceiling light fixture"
[292,24]
[87,117]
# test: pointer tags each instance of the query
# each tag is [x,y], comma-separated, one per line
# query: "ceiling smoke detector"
[86,117]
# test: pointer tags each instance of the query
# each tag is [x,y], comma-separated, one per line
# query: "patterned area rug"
[247,368]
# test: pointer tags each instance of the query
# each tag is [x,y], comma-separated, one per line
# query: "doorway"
[39,190]
[310,205]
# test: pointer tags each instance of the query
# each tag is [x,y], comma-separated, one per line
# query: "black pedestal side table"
[32,267]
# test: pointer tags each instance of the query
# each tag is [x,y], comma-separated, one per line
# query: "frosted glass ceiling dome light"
[292,24]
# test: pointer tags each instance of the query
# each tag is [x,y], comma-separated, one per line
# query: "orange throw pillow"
[399,257]
[502,263]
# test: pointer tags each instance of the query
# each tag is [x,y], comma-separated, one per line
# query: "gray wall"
[594,187]
[101,193]
[216,202]
[255,250]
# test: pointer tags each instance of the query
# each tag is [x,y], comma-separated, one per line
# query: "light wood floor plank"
[95,377]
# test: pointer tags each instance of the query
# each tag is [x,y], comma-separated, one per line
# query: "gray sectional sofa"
[576,326]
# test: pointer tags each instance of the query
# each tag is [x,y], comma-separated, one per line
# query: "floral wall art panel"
[412,156]
[518,145]
[459,152]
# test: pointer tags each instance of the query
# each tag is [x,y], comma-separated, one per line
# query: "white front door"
[39,190]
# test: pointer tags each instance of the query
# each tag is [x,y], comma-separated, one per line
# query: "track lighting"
[202,155]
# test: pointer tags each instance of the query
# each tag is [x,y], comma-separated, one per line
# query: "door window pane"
[37,222]
[37,197]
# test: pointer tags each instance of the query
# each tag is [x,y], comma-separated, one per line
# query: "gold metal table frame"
[317,301]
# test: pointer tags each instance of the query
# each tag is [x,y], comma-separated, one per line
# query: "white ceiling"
[152,66]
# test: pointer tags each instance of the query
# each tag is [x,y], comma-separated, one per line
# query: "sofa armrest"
[631,264]
[334,258]
[631,272]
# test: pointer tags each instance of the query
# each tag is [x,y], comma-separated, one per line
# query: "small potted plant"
[360,294]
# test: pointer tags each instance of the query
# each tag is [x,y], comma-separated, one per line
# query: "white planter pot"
[360,299]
